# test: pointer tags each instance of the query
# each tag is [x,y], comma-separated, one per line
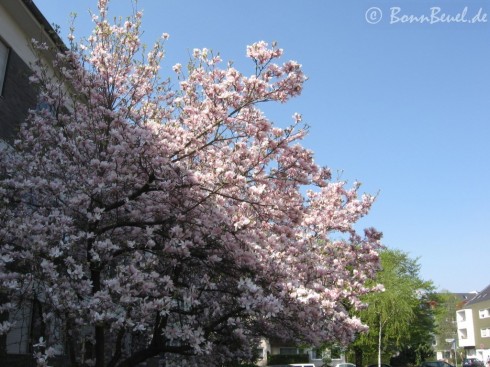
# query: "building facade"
[314,356]
[473,325]
[21,21]
[445,341]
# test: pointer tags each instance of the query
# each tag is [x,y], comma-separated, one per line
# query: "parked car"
[472,362]
[345,364]
[302,365]
[382,365]
[435,364]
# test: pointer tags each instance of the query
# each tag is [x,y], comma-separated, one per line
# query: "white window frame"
[463,334]
[4,56]
[485,313]
[316,354]
[485,332]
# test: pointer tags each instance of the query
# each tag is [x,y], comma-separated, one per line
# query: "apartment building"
[473,326]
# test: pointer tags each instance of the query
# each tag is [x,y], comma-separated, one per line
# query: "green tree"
[400,316]
[445,319]
[418,345]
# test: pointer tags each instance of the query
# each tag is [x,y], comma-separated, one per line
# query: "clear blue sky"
[402,107]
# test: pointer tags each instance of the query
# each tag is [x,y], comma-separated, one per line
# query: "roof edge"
[47,27]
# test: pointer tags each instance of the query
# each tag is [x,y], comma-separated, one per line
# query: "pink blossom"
[175,216]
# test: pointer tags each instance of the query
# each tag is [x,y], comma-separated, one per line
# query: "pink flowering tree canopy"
[174,220]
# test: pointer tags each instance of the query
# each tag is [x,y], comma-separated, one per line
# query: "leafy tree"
[418,346]
[445,317]
[150,220]
[399,317]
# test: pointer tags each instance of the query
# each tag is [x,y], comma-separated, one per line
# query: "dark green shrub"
[287,358]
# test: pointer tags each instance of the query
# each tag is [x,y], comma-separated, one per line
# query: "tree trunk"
[379,342]
[358,356]
[99,329]
[4,316]
[71,343]
[99,346]
[138,357]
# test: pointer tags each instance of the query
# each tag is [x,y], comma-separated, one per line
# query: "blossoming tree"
[151,220]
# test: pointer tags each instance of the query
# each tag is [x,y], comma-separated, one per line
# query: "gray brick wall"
[17,97]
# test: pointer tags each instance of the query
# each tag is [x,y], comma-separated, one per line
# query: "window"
[259,352]
[484,313]
[316,353]
[485,333]
[288,351]
[461,316]
[336,352]
[4,55]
